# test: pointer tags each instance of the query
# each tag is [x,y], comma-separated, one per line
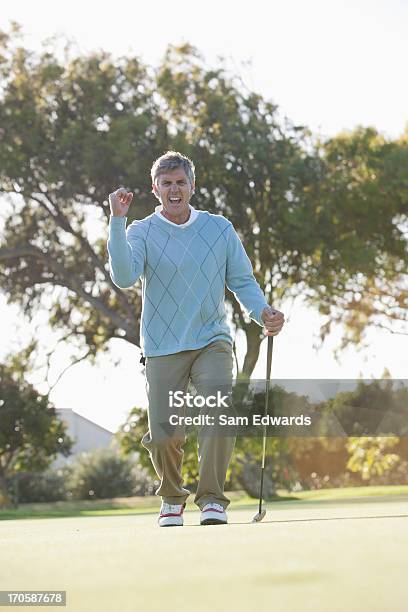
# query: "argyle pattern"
[184,271]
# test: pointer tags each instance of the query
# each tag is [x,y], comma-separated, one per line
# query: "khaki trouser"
[209,369]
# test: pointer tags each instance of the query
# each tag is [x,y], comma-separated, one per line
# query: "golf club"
[261,513]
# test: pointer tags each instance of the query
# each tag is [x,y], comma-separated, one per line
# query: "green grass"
[326,551]
[148,505]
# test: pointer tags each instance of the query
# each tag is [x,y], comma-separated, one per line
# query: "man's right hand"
[119,202]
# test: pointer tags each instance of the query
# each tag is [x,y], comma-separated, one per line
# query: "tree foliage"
[31,435]
[371,456]
[360,275]
[70,134]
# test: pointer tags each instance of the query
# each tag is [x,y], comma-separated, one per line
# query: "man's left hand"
[273,320]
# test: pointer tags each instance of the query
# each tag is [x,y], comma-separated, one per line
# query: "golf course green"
[328,555]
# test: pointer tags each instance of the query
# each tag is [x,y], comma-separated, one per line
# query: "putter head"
[259,516]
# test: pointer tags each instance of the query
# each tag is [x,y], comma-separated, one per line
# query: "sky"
[328,65]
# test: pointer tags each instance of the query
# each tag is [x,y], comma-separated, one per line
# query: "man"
[185,258]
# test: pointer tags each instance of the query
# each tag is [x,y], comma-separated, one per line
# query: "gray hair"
[171,161]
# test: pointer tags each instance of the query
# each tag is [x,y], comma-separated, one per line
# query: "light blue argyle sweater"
[184,270]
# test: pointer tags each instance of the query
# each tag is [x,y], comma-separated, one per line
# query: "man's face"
[173,190]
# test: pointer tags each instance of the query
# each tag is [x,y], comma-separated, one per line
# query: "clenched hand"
[273,320]
[119,202]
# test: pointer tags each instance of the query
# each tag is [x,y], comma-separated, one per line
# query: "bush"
[397,475]
[328,481]
[370,457]
[100,474]
[48,486]
[104,474]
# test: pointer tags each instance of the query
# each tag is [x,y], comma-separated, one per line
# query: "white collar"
[193,216]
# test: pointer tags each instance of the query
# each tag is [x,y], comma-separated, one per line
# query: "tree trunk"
[5,499]
[254,340]
[250,479]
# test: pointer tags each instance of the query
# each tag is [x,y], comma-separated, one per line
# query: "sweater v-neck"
[193,216]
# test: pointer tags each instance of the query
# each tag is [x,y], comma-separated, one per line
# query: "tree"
[373,404]
[361,263]
[70,134]
[253,168]
[31,435]
[325,220]
[313,220]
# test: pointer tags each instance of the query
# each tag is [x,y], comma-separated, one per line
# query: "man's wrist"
[117,224]
[261,315]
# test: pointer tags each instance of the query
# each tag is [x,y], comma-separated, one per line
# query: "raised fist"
[119,202]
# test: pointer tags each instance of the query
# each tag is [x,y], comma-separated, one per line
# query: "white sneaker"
[213,514]
[171,515]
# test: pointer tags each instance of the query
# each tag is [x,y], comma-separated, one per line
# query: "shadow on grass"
[319,519]
[280,498]
[305,520]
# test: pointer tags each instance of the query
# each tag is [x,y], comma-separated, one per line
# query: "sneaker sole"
[211,521]
[172,523]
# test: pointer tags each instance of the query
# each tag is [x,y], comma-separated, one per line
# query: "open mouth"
[175,200]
